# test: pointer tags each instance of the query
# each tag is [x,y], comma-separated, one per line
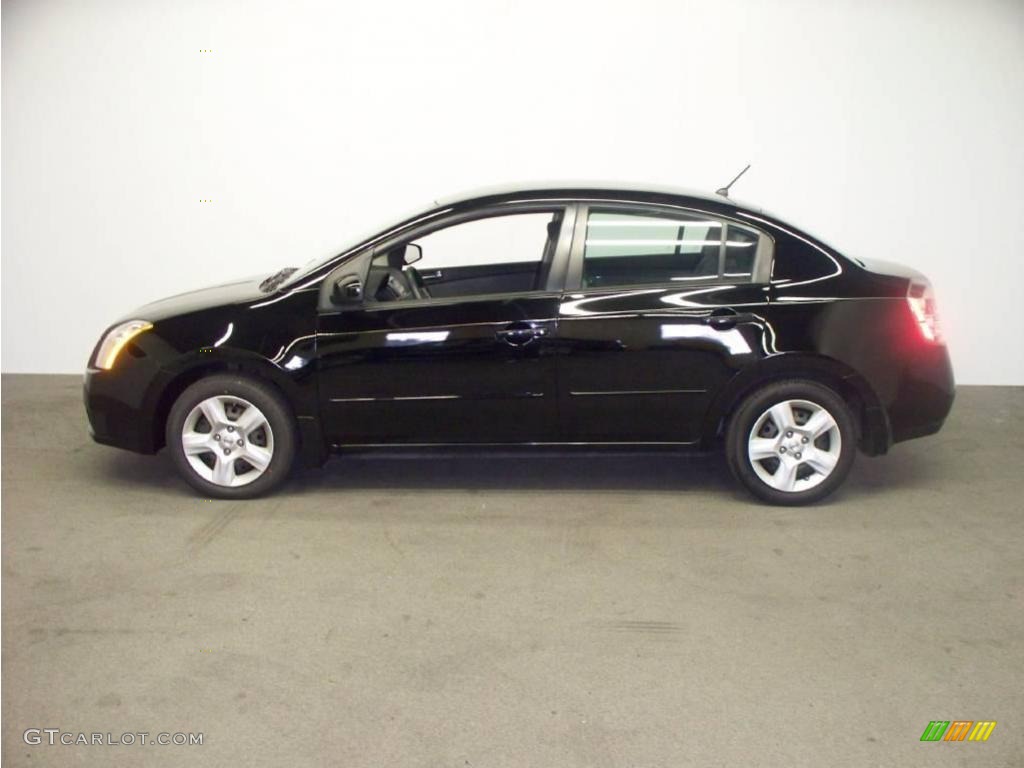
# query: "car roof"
[586,188]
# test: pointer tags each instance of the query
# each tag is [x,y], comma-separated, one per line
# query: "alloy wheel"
[794,445]
[227,441]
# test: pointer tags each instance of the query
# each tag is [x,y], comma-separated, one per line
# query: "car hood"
[237,292]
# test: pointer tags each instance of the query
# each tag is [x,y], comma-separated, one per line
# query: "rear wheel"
[792,442]
[231,437]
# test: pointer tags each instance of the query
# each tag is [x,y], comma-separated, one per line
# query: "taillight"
[921,299]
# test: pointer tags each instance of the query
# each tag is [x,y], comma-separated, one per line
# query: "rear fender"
[875,435]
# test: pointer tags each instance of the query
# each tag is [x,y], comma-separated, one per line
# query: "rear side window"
[626,248]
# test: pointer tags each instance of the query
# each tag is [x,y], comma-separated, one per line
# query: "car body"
[645,320]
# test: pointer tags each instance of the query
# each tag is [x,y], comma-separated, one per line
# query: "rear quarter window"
[796,261]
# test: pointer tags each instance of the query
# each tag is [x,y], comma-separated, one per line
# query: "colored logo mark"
[958,730]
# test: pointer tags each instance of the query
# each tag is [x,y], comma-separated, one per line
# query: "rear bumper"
[925,395]
[921,430]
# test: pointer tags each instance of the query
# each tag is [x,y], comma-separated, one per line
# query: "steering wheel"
[417,283]
[395,287]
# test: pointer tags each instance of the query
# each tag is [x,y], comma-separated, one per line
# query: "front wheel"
[792,442]
[231,437]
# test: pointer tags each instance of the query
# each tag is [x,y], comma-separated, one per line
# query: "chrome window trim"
[580,204]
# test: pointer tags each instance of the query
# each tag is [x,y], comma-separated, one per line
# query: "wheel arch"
[874,432]
[312,448]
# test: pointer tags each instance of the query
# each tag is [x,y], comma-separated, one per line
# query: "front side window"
[639,248]
[495,255]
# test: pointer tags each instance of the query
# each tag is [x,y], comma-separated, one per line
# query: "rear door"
[466,357]
[662,307]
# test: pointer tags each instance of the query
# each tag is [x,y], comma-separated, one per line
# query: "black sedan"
[579,316]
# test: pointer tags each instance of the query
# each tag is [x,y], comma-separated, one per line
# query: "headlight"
[115,340]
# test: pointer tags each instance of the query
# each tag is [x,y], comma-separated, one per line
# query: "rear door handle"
[724,319]
[520,334]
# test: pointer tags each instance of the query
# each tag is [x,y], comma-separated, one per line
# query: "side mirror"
[412,254]
[347,289]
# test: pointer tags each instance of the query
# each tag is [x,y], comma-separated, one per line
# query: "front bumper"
[117,409]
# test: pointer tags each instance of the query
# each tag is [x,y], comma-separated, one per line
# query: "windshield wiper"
[276,279]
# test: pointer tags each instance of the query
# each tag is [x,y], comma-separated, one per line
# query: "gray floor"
[512,612]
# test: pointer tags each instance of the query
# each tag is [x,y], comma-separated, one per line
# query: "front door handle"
[521,333]
[724,319]
[431,276]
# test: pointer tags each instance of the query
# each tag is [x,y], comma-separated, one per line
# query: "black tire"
[748,415]
[266,399]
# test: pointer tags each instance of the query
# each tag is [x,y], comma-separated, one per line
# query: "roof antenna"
[724,191]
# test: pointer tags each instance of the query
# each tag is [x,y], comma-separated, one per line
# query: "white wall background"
[894,130]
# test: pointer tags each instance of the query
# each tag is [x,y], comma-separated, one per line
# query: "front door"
[454,347]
